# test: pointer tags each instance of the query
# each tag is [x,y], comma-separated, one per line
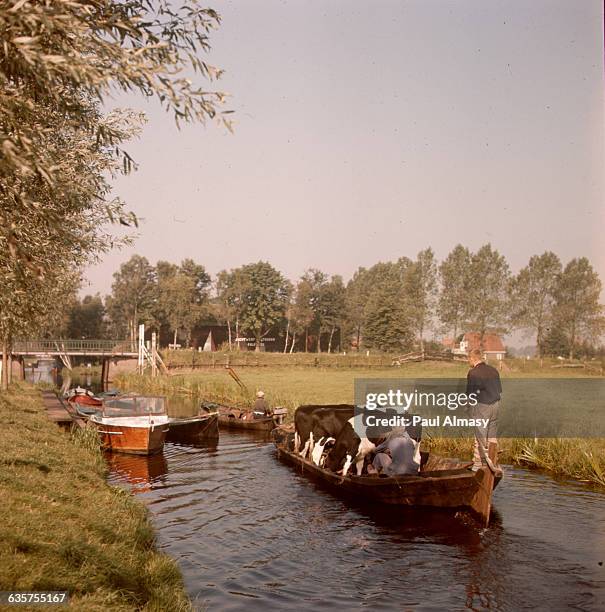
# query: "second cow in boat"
[349,448]
[311,423]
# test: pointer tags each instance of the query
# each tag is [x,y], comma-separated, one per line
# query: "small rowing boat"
[237,418]
[135,424]
[440,483]
[193,428]
[82,397]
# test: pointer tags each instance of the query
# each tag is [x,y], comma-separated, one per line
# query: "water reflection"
[138,471]
[250,532]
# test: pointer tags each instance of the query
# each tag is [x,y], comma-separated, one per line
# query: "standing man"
[484,381]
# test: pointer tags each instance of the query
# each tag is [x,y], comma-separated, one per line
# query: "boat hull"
[265,424]
[443,488]
[131,439]
[85,400]
[191,429]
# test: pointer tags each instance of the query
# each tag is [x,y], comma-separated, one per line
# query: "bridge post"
[103,373]
[105,365]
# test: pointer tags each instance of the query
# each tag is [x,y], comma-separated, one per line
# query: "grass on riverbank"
[64,528]
[581,459]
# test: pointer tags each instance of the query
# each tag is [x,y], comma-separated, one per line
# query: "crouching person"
[397,455]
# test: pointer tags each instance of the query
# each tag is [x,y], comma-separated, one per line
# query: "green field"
[290,386]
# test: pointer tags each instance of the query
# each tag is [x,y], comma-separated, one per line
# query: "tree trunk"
[10,367]
[287,332]
[331,336]
[174,341]
[319,339]
[237,331]
[257,336]
[135,323]
[229,330]
[539,341]
[481,336]
[306,339]
[4,365]
[358,337]
[293,341]
[572,340]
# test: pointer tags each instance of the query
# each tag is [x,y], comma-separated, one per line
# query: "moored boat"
[237,418]
[82,397]
[193,428]
[133,424]
[440,483]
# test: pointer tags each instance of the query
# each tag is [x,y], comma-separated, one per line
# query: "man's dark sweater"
[484,380]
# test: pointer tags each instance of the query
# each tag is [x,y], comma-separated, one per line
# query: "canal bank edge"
[64,528]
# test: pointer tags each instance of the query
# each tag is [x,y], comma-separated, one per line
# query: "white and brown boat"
[134,424]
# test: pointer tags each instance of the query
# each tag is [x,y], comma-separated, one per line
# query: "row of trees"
[391,306]
[59,148]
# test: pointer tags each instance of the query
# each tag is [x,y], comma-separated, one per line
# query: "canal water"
[251,533]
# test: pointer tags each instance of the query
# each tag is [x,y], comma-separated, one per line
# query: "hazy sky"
[370,130]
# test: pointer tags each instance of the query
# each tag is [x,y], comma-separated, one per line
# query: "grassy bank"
[64,528]
[582,459]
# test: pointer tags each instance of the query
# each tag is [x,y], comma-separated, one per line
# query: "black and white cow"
[348,448]
[321,450]
[311,423]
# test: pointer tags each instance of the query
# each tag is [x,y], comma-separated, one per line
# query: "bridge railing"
[74,346]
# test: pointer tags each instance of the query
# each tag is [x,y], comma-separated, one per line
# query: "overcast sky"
[370,130]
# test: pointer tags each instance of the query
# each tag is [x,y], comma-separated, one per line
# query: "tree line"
[391,306]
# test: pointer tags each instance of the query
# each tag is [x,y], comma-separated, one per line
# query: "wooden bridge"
[105,350]
[86,348]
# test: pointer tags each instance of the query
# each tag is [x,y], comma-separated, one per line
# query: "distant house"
[493,347]
[448,343]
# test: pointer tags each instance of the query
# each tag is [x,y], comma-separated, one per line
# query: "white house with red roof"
[493,347]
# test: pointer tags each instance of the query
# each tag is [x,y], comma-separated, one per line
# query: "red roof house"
[492,345]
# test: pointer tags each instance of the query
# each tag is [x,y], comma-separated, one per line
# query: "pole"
[141,364]
[154,350]
[103,373]
[482,500]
